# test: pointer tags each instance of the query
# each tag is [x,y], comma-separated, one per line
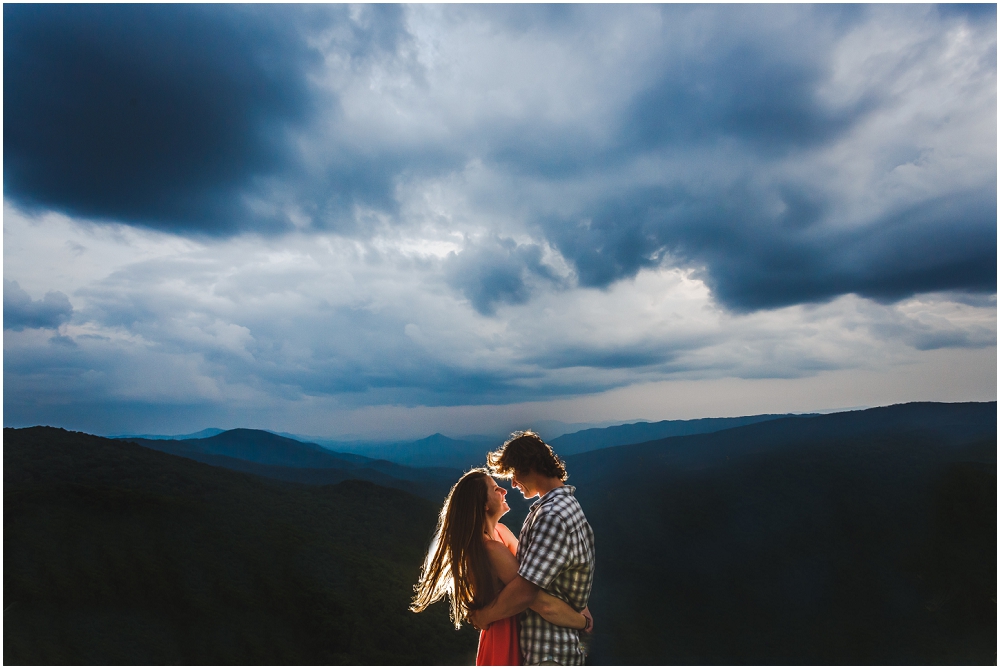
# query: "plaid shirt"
[556,553]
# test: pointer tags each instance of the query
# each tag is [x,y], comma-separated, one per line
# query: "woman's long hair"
[457,564]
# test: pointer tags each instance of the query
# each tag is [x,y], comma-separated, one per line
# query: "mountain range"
[861,537]
[436,450]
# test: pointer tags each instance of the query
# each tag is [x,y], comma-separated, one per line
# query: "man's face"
[523,481]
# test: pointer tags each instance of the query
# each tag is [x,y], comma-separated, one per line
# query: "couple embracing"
[528,595]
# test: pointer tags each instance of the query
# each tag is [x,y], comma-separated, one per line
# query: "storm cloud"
[498,271]
[20,311]
[174,117]
[193,118]
[755,261]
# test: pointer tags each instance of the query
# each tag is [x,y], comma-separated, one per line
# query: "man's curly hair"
[525,451]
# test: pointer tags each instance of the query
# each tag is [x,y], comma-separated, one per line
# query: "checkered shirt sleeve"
[556,553]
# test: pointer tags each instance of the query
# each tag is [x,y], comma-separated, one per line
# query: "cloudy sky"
[389,221]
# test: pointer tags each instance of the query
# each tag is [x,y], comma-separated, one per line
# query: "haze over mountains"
[550,428]
[436,450]
[861,537]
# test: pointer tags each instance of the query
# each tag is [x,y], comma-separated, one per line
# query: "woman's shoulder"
[505,532]
[501,559]
[494,546]
[507,537]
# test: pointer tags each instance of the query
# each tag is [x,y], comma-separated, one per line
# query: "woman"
[471,558]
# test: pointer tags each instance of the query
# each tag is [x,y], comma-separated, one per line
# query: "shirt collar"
[561,490]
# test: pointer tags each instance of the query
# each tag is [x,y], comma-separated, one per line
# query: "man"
[555,552]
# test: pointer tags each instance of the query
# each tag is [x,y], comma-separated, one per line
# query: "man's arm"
[513,599]
[552,609]
[542,556]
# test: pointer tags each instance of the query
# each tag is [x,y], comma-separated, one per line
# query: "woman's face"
[496,503]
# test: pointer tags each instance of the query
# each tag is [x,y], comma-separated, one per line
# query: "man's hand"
[514,598]
[589,629]
[475,617]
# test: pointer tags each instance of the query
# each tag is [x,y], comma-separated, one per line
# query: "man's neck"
[547,485]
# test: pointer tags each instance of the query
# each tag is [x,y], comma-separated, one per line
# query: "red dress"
[498,646]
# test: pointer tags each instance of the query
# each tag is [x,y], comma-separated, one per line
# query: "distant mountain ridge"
[442,451]
[549,428]
[951,423]
[264,447]
[633,433]
[201,434]
[267,454]
[436,450]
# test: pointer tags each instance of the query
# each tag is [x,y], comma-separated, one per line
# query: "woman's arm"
[553,609]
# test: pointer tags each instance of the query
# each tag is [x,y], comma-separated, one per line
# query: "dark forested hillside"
[864,537]
[855,538]
[116,554]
